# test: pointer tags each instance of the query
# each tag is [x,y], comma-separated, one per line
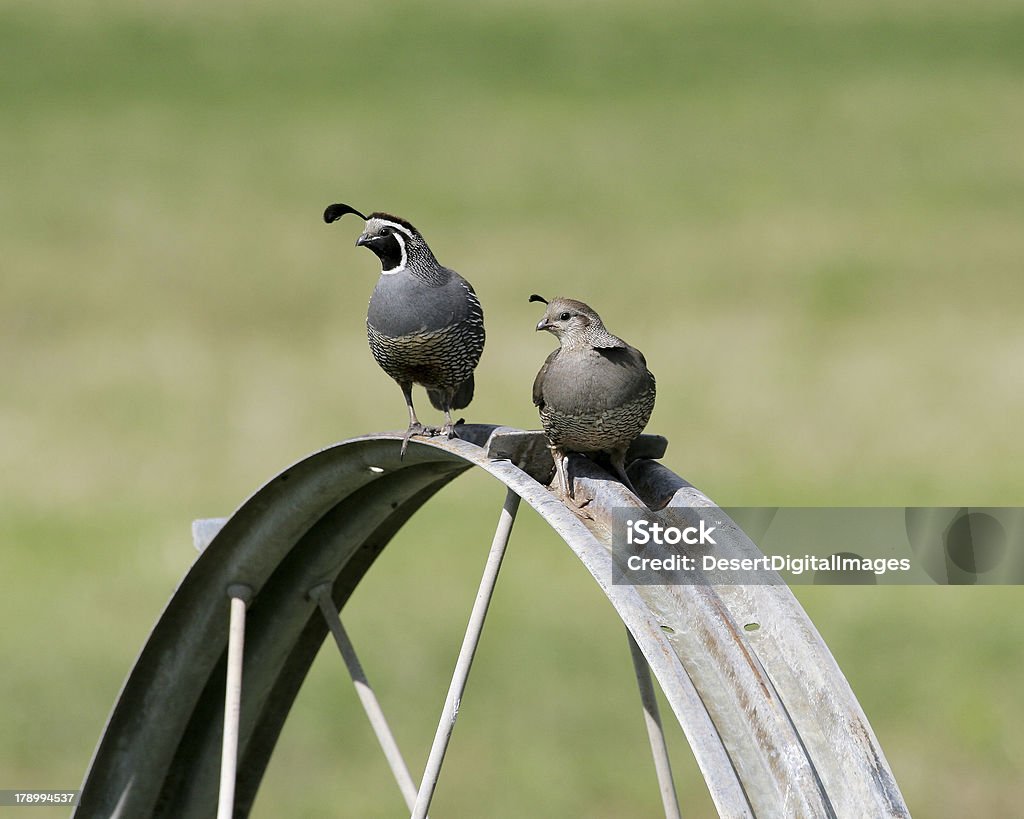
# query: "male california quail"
[425,324]
[595,393]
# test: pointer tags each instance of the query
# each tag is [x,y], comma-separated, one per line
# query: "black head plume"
[535,297]
[336,211]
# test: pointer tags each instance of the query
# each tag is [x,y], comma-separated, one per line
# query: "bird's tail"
[460,399]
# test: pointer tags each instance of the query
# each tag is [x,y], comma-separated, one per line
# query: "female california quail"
[595,393]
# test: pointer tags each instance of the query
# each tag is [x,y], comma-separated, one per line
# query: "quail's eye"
[385,231]
[564,317]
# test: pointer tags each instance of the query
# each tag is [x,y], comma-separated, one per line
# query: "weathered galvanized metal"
[771,720]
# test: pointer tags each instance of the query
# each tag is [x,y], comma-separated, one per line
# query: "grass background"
[808,215]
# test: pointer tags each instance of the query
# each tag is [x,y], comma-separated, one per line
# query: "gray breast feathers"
[590,381]
[403,304]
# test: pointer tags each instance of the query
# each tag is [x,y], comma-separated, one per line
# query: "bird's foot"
[566,485]
[448,431]
[572,500]
[414,429]
[619,465]
[628,484]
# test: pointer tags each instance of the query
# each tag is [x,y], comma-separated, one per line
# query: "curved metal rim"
[327,517]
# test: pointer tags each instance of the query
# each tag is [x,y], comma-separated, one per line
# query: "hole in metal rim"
[668,629]
[376,469]
[752,627]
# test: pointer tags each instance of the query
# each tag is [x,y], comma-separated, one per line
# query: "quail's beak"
[364,239]
[543,324]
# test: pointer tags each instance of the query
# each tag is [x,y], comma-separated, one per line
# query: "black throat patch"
[390,251]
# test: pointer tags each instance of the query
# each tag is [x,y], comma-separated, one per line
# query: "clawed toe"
[414,429]
[627,482]
[447,431]
[618,462]
[570,499]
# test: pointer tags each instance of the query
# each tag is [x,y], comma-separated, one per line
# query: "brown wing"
[538,382]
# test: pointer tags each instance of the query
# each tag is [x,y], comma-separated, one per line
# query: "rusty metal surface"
[773,725]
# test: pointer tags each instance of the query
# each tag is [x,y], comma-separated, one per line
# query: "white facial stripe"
[396,226]
[401,245]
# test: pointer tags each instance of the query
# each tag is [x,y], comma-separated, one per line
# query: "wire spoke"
[655,733]
[322,595]
[240,596]
[469,645]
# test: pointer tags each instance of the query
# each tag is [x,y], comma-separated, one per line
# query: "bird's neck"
[592,337]
[425,267]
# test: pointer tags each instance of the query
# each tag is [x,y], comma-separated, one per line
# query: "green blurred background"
[810,216]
